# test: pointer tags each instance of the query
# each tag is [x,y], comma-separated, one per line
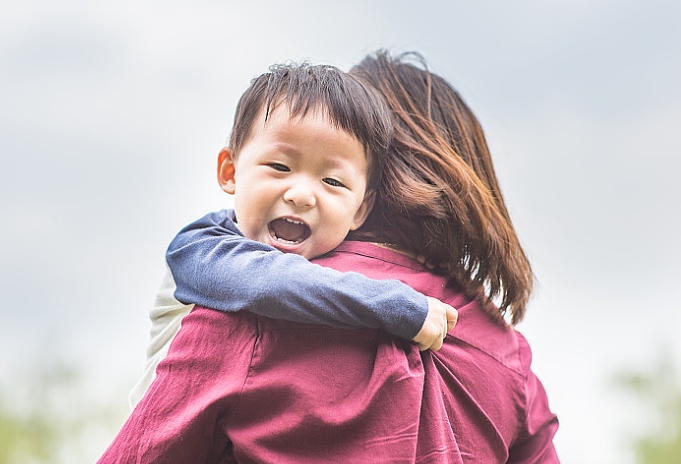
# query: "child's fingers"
[441,318]
[452,318]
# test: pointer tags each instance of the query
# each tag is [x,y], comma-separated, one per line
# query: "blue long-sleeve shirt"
[215,266]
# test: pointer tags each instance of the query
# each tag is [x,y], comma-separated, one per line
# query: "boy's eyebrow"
[339,162]
[289,150]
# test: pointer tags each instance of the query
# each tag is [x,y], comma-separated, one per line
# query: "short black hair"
[349,104]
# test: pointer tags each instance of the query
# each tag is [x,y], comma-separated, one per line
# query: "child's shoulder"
[223,218]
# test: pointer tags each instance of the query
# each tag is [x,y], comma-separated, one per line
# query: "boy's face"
[299,184]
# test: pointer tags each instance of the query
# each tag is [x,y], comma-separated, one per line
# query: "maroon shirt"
[237,387]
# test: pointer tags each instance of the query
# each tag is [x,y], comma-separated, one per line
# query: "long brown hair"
[439,198]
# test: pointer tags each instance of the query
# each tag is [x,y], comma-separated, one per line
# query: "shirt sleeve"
[215,266]
[534,444]
[178,420]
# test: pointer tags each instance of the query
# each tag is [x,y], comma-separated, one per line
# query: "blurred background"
[112,115]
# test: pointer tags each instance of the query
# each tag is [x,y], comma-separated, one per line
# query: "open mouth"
[289,231]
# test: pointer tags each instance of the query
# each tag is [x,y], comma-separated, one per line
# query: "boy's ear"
[226,171]
[364,210]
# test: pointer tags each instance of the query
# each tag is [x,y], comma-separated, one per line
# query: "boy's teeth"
[285,241]
[289,231]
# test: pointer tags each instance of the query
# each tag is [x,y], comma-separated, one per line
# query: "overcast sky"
[112,115]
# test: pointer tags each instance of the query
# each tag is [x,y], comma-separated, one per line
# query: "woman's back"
[480,402]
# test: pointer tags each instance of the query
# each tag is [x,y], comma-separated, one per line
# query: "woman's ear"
[226,171]
[364,210]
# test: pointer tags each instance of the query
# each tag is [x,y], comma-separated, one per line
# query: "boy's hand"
[441,318]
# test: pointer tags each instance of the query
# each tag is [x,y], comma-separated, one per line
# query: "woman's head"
[439,197]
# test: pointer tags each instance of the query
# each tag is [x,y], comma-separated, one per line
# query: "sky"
[113,114]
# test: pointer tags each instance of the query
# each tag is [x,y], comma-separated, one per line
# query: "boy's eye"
[333,182]
[279,167]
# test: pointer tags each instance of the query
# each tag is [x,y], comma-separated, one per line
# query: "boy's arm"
[215,266]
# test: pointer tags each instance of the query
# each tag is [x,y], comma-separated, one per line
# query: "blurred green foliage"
[658,392]
[25,438]
[49,416]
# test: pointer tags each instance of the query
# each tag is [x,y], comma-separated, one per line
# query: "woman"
[440,201]
[244,388]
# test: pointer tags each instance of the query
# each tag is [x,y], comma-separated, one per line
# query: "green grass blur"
[657,393]
[50,415]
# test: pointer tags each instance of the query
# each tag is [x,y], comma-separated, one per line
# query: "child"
[305,155]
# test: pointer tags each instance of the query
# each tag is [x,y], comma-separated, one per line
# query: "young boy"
[305,155]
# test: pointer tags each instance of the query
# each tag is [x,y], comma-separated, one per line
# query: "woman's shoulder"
[494,340]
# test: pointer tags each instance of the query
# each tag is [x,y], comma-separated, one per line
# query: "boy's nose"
[301,195]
